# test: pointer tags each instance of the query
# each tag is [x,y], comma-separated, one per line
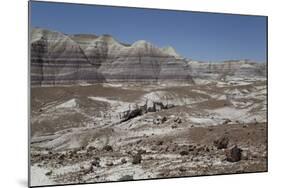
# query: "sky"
[194,35]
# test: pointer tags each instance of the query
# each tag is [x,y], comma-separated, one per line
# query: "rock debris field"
[108,132]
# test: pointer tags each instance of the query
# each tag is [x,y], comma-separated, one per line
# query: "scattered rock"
[109,164]
[191,147]
[96,162]
[170,106]
[163,174]
[174,126]
[156,121]
[90,148]
[222,142]
[123,161]
[184,152]
[233,154]
[132,114]
[178,120]
[200,148]
[108,148]
[245,126]
[126,178]
[160,120]
[62,157]
[141,151]
[159,143]
[71,154]
[137,159]
[163,119]
[182,169]
[82,148]
[49,173]
[226,121]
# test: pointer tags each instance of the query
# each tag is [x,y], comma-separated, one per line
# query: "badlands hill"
[57,58]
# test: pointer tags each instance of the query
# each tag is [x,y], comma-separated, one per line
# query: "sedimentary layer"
[58,58]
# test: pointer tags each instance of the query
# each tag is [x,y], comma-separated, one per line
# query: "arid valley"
[105,111]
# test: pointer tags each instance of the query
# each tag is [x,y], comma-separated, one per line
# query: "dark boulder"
[226,121]
[96,162]
[178,120]
[159,143]
[49,173]
[137,159]
[123,161]
[109,164]
[164,119]
[174,126]
[233,154]
[184,152]
[90,148]
[108,148]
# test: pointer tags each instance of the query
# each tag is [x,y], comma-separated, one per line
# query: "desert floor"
[125,131]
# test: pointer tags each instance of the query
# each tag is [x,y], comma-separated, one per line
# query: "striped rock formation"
[57,58]
[233,68]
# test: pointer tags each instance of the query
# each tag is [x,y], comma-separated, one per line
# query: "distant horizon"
[220,42]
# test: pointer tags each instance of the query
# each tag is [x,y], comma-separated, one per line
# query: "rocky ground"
[114,132]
